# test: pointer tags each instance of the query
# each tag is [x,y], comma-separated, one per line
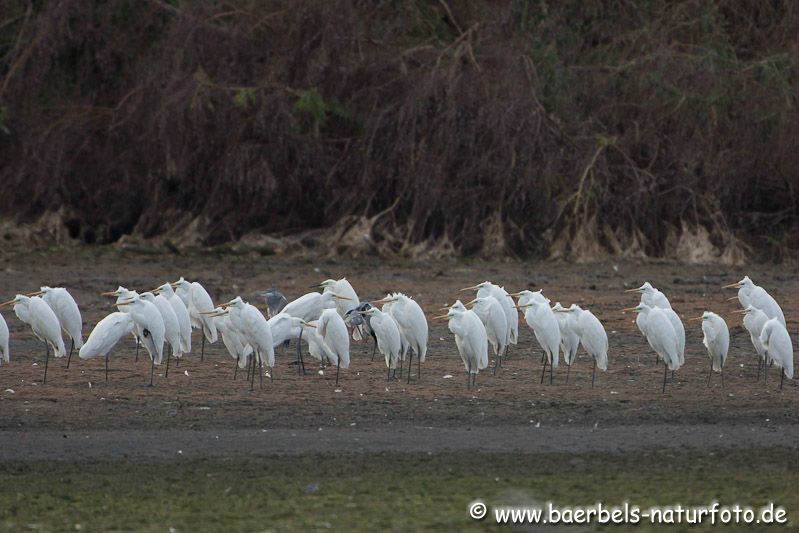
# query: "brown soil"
[202,396]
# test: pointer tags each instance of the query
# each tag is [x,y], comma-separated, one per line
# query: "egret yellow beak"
[470,288]
[630,309]
[694,318]
[440,317]
[113,293]
[637,289]
[736,285]
[512,295]
[337,297]
[4,304]
[732,298]
[37,293]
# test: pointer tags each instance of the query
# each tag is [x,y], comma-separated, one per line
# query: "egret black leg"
[168,357]
[709,374]
[388,372]
[374,350]
[252,374]
[236,367]
[152,370]
[551,372]
[496,362]
[261,373]
[106,368]
[568,371]
[722,376]
[543,371]
[418,367]
[593,375]
[300,370]
[400,366]
[137,350]
[71,347]
[338,366]
[782,378]
[665,373]
[202,349]
[410,366]
[46,360]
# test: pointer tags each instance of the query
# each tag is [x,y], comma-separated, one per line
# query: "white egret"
[592,335]
[652,297]
[67,312]
[754,320]
[122,295]
[171,325]
[346,297]
[491,314]
[151,328]
[779,348]
[717,341]
[412,325]
[542,321]
[387,309]
[569,339]
[310,306]
[182,314]
[5,352]
[253,325]
[44,323]
[751,294]
[661,336]
[525,297]
[388,336]
[105,335]
[232,338]
[200,305]
[333,331]
[470,338]
[487,288]
[285,327]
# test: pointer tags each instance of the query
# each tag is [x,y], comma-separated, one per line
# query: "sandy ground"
[511,410]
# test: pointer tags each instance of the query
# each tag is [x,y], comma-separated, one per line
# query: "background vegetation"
[520,127]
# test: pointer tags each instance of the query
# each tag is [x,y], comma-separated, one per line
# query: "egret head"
[18,299]
[640,308]
[745,282]
[476,287]
[324,285]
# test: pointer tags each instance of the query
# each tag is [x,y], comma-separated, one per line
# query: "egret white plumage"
[122,295]
[751,294]
[470,338]
[661,336]
[592,335]
[200,305]
[413,327]
[487,288]
[171,325]
[754,319]
[285,327]
[232,338]
[5,351]
[151,328]
[66,310]
[253,325]
[717,341]
[491,314]
[542,321]
[44,323]
[651,297]
[388,336]
[105,335]
[779,348]
[182,314]
[333,331]
[346,297]
[310,306]
[569,339]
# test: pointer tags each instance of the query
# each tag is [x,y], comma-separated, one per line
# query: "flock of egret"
[162,320]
